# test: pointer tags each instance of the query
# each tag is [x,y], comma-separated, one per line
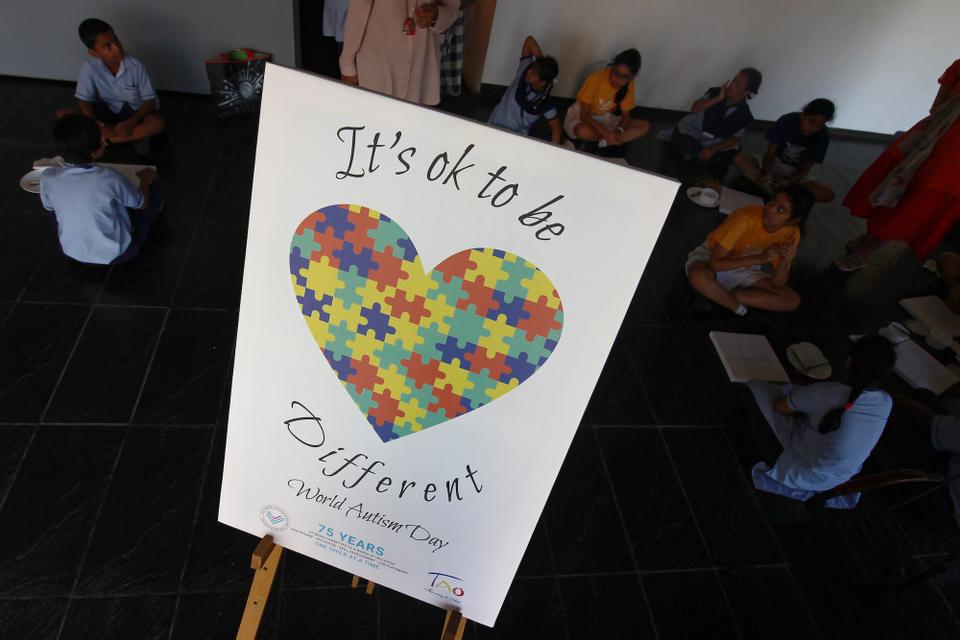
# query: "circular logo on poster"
[274,517]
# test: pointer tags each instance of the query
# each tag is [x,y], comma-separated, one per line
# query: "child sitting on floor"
[114,89]
[818,436]
[602,109]
[90,202]
[797,142]
[527,99]
[710,134]
[745,262]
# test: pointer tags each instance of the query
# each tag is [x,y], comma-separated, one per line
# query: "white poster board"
[406,451]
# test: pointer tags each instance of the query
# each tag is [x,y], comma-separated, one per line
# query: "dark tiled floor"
[114,390]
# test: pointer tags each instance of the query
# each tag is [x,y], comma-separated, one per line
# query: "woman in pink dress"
[911,192]
[393,46]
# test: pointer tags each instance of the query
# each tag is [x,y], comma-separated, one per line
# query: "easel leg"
[453,626]
[355,582]
[264,561]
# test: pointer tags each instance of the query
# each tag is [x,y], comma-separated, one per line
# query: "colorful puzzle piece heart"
[416,349]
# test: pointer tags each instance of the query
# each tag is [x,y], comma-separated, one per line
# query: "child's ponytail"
[630,58]
[871,360]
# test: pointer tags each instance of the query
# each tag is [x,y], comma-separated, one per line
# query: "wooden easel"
[264,562]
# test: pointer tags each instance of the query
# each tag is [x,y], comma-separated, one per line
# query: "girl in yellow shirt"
[602,110]
[745,262]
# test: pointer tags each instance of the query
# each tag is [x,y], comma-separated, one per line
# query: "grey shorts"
[729,280]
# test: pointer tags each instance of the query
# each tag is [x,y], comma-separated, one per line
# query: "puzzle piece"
[375,320]
[497,333]
[456,265]
[542,318]
[513,310]
[488,265]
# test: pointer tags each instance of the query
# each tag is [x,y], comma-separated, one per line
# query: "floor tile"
[41,617]
[56,497]
[619,396]
[60,279]
[606,607]
[150,279]
[229,200]
[659,522]
[106,371]
[146,618]
[767,604]
[14,440]
[722,501]
[585,531]
[533,609]
[216,616]
[669,380]
[186,378]
[537,560]
[213,272]
[404,617]
[24,240]
[219,558]
[34,345]
[689,605]
[148,513]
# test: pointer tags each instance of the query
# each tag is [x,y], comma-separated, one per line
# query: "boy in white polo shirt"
[114,89]
[91,202]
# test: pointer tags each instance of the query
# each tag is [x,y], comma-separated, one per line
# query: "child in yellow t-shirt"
[745,262]
[602,110]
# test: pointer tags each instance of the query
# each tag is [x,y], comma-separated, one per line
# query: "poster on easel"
[427,305]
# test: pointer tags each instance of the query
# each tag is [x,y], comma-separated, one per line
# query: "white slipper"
[850,262]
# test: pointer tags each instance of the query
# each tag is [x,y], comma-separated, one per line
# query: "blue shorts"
[103,113]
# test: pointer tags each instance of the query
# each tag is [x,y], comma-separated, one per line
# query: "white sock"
[740,311]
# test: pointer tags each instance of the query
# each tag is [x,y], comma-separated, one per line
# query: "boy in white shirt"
[114,89]
[91,202]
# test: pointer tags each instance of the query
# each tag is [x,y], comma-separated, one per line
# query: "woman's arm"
[357,17]
[766,170]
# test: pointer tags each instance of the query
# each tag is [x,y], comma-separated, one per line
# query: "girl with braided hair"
[818,436]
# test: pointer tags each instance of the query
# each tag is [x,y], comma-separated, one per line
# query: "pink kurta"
[387,60]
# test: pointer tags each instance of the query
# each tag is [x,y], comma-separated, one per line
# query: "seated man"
[114,89]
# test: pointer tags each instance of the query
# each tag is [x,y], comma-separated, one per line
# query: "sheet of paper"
[731,200]
[748,357]
[933,312]
[921,370]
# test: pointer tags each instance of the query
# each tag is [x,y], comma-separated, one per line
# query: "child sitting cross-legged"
[91,202]
[114,89]
[745,262]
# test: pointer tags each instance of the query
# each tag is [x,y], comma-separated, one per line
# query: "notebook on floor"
[748,357]
[933,312]
[921,370]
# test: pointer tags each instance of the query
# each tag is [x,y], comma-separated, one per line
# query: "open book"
[933,312]
[748,357]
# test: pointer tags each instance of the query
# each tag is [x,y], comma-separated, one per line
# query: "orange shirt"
[742,234]
[600,94]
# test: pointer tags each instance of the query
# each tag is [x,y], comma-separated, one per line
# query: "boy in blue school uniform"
[91,202]
[114,89]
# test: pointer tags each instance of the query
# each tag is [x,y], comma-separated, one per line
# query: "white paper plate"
[31,181]
[694,194]
[807,359]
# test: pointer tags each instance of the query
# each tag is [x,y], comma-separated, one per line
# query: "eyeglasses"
[623,76]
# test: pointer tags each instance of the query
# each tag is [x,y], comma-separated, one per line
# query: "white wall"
[172,37]
[879,60]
